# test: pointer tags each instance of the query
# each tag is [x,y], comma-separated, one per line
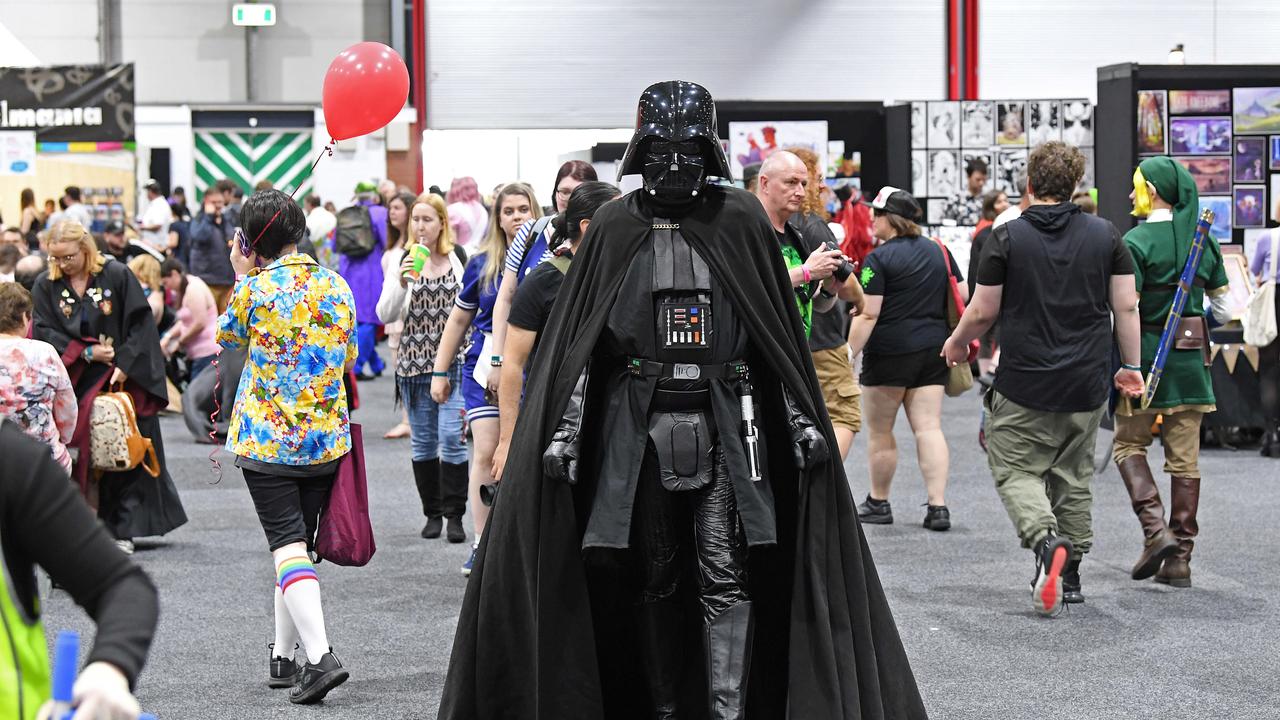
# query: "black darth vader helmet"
[675,146]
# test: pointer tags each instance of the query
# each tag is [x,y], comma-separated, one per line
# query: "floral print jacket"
[36,394]
[298,321]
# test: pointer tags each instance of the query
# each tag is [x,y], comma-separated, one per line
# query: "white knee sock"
[286,631]
[300,590]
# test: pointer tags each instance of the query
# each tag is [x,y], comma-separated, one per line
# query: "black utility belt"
[641,367]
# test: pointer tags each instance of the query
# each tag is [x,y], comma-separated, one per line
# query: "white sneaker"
[126,546]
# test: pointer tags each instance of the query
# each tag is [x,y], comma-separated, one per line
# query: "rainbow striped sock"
[295,569]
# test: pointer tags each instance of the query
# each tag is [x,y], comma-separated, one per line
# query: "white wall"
[167,126]
[187,51]
[583,63]
[56,32]
[1043,49]
[363,158]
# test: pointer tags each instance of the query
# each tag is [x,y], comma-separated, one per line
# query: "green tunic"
[1158,259]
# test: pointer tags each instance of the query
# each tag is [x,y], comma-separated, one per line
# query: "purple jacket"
[364,275]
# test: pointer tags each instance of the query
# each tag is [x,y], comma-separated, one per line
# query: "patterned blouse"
[298,321]
[36,393]
[430,302]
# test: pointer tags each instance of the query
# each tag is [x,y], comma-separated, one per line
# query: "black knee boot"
[454,483]
[426,475]
[661,631]
[729,661]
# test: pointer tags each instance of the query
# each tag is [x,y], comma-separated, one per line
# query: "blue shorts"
[472,391]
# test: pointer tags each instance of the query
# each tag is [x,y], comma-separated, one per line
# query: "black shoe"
[875,512]
[937,517]
[284,672]
[1052,555]
[316,680]
[455,533]
[432,529]
[1071,593]
[1270,445]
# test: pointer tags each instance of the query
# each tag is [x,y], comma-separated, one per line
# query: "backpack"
[539,227]
[353,236]
[115,443]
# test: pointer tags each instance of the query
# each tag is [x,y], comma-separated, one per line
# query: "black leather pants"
[660,527]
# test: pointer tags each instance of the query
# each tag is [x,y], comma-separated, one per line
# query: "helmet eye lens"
[666,147]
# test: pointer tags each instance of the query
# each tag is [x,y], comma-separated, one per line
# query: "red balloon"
[364,89]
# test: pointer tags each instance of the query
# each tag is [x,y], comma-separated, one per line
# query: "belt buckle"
[685,371]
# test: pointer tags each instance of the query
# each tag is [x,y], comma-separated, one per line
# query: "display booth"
[1222,122]
[850,138]
[943,136]
[68,125]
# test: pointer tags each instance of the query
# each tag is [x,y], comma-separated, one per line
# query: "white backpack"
[1260,315]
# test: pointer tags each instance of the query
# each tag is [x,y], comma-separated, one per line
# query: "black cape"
[537,635]
[132,503]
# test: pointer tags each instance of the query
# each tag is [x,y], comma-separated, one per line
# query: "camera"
[845,268]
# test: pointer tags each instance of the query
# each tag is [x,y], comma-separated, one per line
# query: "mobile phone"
[243,241]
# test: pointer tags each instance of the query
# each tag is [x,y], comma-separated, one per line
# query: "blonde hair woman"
[514,204]
[94,312]
[421,297]
[147,270]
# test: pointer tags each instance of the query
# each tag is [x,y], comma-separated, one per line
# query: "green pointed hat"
[1175,186]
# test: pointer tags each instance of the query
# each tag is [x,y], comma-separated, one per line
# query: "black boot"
[1071,592]
[426,475]
[1271,444]
[729,661]
[453,486]
[661,629]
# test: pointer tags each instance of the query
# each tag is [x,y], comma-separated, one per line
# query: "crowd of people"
[290,301]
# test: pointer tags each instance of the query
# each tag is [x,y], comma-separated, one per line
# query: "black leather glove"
[560,461]
[808,444]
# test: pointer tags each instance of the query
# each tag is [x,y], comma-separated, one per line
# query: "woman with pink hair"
[467,215]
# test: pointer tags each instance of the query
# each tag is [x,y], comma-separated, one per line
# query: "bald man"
[781,189]
[27,270]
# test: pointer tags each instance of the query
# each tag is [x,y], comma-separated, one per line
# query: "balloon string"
[217,367]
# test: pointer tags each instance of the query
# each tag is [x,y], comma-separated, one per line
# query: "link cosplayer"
[636,463]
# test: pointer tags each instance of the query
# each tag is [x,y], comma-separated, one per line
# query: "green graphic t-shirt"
[804,293]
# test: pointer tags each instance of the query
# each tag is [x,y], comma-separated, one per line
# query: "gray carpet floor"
[1133,650]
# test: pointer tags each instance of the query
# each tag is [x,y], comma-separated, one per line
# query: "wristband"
[1135,368]
[805,270]
[495,361]
[439,374]
[87,354]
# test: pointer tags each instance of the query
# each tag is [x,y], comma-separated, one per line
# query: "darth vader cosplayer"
[650,554]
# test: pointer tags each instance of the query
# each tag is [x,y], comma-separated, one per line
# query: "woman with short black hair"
[289,428]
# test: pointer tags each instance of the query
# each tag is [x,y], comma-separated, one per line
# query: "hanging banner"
[69,103]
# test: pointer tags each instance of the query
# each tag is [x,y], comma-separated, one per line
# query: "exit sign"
[253,14]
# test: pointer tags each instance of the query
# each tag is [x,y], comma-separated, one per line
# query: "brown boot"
[1176,570]
[1159,542]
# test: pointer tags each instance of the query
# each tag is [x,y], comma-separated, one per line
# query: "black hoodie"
[1055,263]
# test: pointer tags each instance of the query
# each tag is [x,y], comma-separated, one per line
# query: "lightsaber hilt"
[750,437]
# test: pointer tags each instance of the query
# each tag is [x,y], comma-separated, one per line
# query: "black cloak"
[132,503]
[538,634]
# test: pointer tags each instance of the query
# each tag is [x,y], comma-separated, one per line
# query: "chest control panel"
[685,325]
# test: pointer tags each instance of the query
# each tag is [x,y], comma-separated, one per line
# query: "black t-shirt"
[532,303]
[1055,264]
[911,275]
[802,235]
[975,254]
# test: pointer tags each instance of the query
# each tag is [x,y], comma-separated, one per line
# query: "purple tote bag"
[345,535]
